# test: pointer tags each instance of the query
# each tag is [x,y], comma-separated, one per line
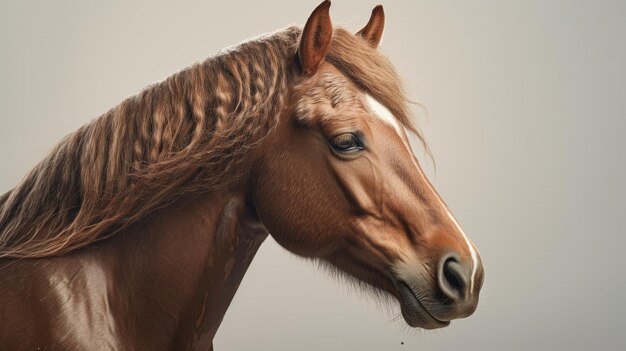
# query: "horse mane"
[185,134]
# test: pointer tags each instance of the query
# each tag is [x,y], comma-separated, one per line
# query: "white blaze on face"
[383,113]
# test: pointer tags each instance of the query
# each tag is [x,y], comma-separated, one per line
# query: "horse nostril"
[453,278]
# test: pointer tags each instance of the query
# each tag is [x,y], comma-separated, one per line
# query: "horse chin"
[414,312]
[387,286]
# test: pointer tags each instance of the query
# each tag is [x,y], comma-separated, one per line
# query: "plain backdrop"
[525,103]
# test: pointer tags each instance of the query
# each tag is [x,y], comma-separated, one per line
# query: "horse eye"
[347,143]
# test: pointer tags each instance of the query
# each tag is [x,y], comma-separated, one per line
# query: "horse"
[136,230]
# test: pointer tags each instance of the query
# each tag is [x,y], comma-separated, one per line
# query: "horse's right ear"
[315,39]
[373,30]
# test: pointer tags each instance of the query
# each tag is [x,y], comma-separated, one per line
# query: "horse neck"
[190,259]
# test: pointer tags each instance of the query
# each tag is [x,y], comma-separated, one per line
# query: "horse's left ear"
[316,36]
[373,30]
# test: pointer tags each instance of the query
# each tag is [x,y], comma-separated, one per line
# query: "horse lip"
[413,308]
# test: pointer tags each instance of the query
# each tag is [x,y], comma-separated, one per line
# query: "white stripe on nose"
[472,250]
[383,113]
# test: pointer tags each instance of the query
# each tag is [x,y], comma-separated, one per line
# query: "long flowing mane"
[185,134]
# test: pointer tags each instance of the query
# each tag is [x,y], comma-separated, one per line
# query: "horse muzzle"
[453,295]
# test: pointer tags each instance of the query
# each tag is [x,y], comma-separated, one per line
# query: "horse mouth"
[413,310]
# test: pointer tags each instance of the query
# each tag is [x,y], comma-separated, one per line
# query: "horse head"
[337,180]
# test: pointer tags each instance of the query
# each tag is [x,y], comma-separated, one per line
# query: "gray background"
[525,119]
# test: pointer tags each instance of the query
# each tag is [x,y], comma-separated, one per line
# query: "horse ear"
[373,30]
[315,39]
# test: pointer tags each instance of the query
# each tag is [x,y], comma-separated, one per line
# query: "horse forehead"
[329,97]
[334,93]
[344,94]
[336,88]
[383,113]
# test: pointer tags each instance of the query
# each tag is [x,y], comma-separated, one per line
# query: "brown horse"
[136,230]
